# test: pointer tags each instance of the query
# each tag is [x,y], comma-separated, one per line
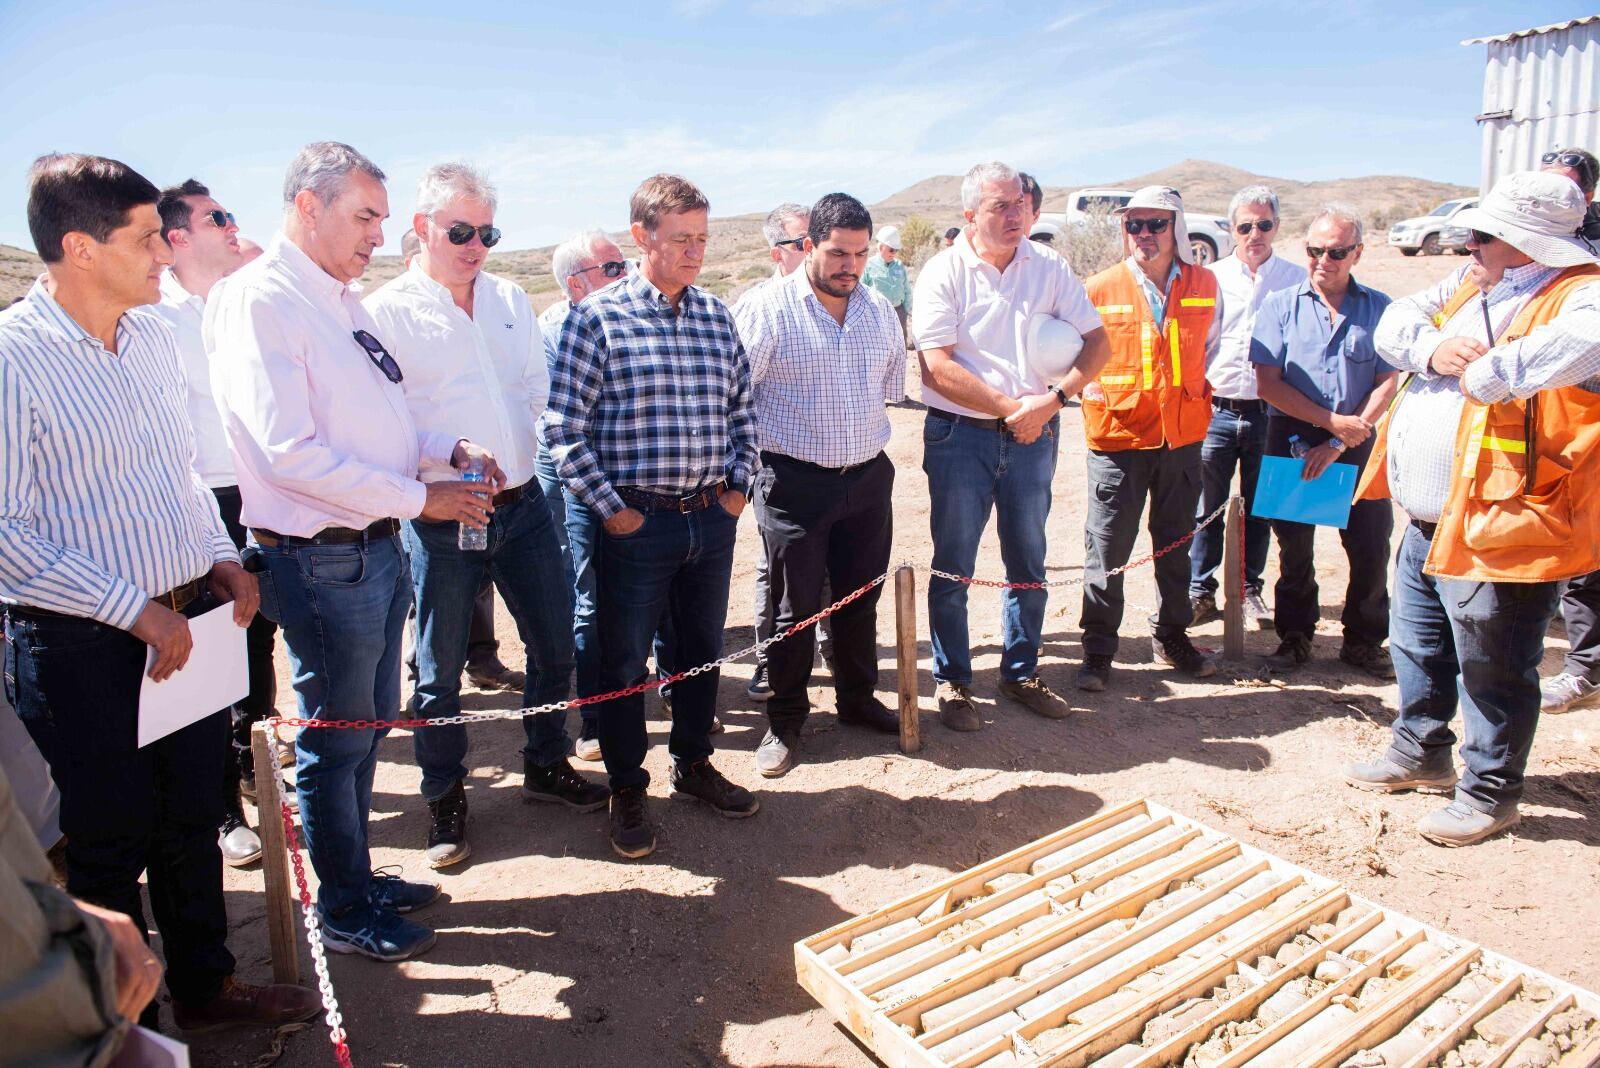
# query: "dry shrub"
[919,240]
[1092,244]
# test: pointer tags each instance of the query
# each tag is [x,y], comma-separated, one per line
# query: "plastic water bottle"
[1298,448]
[469,537]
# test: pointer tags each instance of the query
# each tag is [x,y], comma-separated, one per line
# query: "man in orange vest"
[1145,416]
[1490,449]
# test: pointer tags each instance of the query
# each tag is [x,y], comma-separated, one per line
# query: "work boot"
[1179,652]
[560,784]
[702,782]
[955,707]
[244,1005]
[1036,697]
[1204,607]
[1094,672]
[447,828]
[1387,777]
[493,675]
[1373,659]
[1293,651]
[778,752]
[1459,824]
[632,834]
[872,714]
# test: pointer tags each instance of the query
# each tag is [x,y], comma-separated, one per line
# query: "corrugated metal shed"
[1541,90]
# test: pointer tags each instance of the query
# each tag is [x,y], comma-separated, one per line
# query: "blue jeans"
[343,613]
[677,564]
[524,561]
[971,471]
[1476,644]
[1233,439]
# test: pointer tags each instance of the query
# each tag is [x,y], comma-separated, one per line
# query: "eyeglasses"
[1139,226]
[379,356]
[1266,226]
[461,233]
[1481,238]
[611,269]
[220,219]
[799,243]
[1332,253]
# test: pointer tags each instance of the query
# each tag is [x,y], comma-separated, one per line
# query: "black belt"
[178,598]
[768,458]
[1246,407]
[698,501]
[383,528]
[971,420]
[509,496]
[1427,529]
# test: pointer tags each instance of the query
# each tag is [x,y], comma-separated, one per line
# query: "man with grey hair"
[993,427]
[478,358]
[327,456]
[1317,366]
[1238,432]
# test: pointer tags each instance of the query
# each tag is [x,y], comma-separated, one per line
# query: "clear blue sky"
[568,106]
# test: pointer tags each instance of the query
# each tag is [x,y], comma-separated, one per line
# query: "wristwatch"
[1336,443]
[1061,395]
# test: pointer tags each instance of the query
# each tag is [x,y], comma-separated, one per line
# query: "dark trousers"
[261,701]
[1580,611]
[823,526]
[1366,548]
[1234,439]
[127,811]
[677,563]
[1119,484]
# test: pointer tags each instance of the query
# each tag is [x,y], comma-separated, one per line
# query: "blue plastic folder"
[1282,494]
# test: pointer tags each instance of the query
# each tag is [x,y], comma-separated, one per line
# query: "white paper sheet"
[216,676]
[146,1049]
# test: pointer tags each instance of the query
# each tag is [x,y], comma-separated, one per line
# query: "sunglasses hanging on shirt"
[379,356]
[460,233]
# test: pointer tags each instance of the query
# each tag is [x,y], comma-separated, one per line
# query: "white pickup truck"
[1210,236]
[1425,233]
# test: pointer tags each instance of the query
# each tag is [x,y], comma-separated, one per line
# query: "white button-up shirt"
[1230,372]
[320,437]
[486,371]
[962,302]
[185,313]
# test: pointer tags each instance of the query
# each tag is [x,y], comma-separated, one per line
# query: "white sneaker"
[1565,692]
[587,749]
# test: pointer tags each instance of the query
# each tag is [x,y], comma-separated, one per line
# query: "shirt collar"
[800,285]
[303,270]
[643,289]
[1524,279]
[173,291]
[1144,279]
[434,288]
[969,255]
[1356,290]
[57,320]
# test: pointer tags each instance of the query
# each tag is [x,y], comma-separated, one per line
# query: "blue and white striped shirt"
[646,396]
[100,505]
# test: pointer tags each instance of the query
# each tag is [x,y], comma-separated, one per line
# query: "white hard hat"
[1051,346]
[889,235]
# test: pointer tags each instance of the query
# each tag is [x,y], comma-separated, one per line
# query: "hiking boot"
[872,714]
[1256,612]
[759,690]
[1373,659]
[1204,607]
[1036,697]
[1293,650]
[777,753]
[1386,777]
[632,834]
[493,675]
[244,1005]
[1094,672]
[239,844]
[560,784]
[1459,824]
[391,892]
[955,707]
[447,829]
[1566,691]
[1179,652]
[376,933]
[702,782]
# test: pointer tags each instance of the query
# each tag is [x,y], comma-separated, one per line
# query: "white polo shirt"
[185,313]
[964,303]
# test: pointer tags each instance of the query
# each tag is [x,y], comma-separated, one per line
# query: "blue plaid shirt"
[646,397]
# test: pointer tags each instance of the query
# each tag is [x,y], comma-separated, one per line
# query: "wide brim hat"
[1537,213]
[889,235]
[1164,198]
[1051,346]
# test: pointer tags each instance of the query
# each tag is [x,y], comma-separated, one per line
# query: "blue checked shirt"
[820,387]
[100,505]
[646,397]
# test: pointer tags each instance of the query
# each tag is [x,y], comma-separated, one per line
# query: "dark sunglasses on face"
[220,219]
[1265,226]
[1481,238]
[1566,159]
[379,356]
[1332,253]
[611,269]
[799,243]
[461,233]
[1139,226]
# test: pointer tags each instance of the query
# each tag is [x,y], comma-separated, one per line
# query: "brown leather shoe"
[243,1005]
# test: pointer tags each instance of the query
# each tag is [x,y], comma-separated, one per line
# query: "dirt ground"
[552,950]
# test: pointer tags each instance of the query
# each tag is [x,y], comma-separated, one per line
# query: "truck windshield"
[1446,208]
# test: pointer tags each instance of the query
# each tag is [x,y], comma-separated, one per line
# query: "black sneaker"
[702,782]
[1094,673]
[1373,659]
[632,834]
[758,690]
[1181,653]
[560,784]
[1294,650]
[447,828]
[872,714]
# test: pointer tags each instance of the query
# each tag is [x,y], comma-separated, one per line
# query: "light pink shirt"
[319,436]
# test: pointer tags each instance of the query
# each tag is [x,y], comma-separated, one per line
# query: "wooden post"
[1233,581]
[281,934]
[905,630]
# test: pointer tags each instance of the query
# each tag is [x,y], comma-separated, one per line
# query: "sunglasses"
[1139,226]
[1566,159]
[1332,253]
[461,233]
[379,356]
[220,219]
[1266,226]
[1481,238]
[799,243]
[611,269]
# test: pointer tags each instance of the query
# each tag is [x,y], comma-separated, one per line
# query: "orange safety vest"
[1155,385]
[1522,508]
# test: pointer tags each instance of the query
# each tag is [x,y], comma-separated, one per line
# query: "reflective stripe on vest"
[1198,302]
[1119,380]
[1114,309]
[1177,357]
[1146,357]
[1478,439]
